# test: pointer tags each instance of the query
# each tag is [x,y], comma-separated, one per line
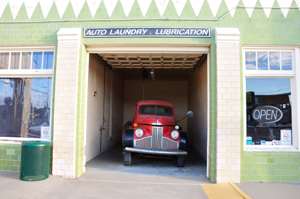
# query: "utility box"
[35,160]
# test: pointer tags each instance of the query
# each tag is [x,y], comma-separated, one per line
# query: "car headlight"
[139,133]
[174,134]
[177,127]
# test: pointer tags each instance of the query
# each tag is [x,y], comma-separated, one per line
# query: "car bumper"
[155,152]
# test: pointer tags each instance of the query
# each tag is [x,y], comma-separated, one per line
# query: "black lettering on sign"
[267,114]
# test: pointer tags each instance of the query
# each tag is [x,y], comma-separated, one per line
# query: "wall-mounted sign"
[147,32]
[267,114]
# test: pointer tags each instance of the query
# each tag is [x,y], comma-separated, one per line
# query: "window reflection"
[25,106]
[48,60]
[262,60]
[274,60]
[286,61]
[15,60]
[251,60]
[37,60]
[4,57]
[269,111]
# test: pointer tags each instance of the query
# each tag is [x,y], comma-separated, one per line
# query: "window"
[156,110]
[25,98]
[269,116]
[24,106]
[270,98]
[35,60]
[268,60]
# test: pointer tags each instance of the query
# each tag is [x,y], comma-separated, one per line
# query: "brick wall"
[228,104]
[65,102]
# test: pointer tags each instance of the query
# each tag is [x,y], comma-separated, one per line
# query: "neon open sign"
[267,114]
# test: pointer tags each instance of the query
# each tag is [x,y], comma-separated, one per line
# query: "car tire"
[127,158]
[180,161]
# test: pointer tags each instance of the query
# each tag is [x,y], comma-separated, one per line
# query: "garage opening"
[116,81]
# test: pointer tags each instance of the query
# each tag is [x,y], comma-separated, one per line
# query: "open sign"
[267,114]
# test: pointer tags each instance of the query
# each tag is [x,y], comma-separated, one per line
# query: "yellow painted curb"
[224,191]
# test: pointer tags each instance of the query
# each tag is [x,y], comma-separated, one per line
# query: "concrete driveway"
[106,177]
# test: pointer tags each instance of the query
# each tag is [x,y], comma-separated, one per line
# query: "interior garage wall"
[198,103]
[112,110]
[95,107]
[117,108]
[175,91]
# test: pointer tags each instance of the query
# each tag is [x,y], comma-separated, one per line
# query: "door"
[95,107]
[105,128]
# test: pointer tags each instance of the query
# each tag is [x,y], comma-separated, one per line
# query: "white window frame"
[294,76]
[29,73]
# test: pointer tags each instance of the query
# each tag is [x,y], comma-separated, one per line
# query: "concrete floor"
[106,177]
[271,190]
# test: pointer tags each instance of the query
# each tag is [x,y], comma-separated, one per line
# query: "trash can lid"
[35,143]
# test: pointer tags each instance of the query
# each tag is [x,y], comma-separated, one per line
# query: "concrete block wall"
[65,102]
[228,105]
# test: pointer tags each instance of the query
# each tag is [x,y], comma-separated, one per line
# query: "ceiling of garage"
[161,61]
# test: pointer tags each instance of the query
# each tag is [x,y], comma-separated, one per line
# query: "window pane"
[10,107]
[48,60]
[274,60]
[250,60]
[262,60]
[26,60]
[286,61]
[25,106]
[4,57]
[37,60]
[40,108]
[269,115]
[15,60]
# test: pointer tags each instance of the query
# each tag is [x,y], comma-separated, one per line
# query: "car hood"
[155,120]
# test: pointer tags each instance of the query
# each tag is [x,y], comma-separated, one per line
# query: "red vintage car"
[154,130]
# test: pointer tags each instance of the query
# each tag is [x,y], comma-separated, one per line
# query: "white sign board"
[285,137]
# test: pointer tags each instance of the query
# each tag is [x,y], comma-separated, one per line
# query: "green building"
[70,68]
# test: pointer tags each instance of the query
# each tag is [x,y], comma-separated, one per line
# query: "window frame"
[31,73]
[293,75]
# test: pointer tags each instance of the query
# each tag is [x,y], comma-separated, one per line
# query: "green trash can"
[35,160]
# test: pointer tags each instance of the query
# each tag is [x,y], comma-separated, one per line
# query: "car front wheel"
[127,158]
[180,161]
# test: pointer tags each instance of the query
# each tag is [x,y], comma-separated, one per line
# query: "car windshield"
[156,110]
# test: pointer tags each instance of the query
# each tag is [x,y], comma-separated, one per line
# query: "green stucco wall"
[256,30]
[10,156]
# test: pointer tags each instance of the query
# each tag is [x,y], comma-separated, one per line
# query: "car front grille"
[156,141]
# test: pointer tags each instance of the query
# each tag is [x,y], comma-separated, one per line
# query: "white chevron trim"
[214,6]
[110,6]
[250,5]
[196,5]
[61,6]
[161,5]
[267,6]
[46,6]
[127,6]
[285,6]
[30,6]
[15,6]
[232,4]
[144,6]
[2,6]
[77,6]
[179,6]
[298,3]
[93,6]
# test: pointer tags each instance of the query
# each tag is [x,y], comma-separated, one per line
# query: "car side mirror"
[189,114]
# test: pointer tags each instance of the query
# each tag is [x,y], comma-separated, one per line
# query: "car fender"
[128,138]
[183,143]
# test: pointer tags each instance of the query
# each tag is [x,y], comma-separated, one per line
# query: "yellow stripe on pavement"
[224,191]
